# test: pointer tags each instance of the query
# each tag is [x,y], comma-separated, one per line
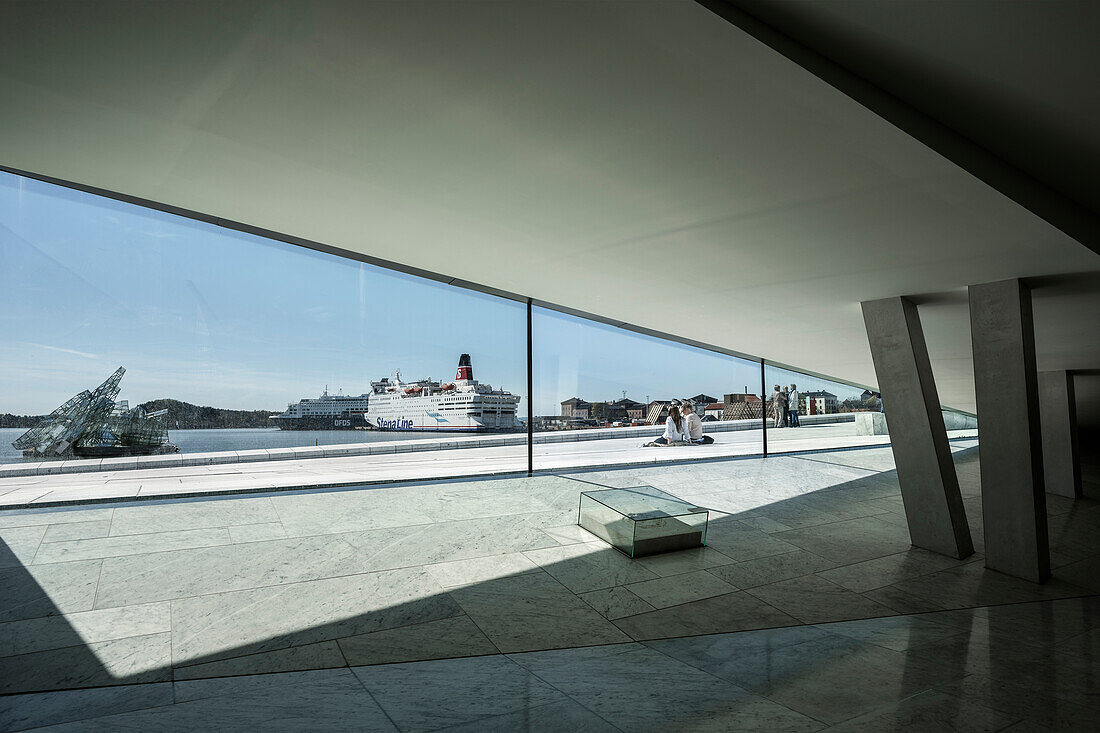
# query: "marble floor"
[479,605]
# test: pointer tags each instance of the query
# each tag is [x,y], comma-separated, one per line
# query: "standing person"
[792,406]
[779,408]
[693,425]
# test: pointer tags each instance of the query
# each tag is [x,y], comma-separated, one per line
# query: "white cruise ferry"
[327,412]
[461,405]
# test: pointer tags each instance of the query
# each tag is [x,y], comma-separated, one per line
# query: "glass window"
[812,413]
[601,393]
[831,414]
[247,343]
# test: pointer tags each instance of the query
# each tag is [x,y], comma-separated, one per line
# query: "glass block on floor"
[642,520]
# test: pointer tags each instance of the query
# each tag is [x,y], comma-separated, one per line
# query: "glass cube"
[642,520]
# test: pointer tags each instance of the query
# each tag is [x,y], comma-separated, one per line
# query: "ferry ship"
[327,412]
[463,405]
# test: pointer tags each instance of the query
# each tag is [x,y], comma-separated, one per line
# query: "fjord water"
[202,441]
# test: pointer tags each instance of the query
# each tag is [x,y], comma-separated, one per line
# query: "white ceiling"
[647,162]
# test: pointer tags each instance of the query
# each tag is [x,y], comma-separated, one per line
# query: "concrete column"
[1061,453]
[929,485]
[1011,450]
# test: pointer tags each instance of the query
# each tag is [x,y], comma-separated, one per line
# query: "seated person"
[675,433]
[693,425]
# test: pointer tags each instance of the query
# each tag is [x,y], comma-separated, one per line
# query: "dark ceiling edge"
[416,272]
[1075,220]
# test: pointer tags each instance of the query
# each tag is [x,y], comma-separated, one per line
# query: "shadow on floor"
[835,554]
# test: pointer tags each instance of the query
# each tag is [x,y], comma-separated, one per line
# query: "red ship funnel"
[465,371]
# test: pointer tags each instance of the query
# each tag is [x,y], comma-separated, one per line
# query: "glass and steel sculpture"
[92,424]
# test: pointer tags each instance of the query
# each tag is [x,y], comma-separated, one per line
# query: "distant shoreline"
[181,416]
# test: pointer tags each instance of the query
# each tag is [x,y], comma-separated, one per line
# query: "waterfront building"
[575,407]
[819,402]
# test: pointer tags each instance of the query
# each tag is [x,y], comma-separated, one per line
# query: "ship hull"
[352,421]
[424,423]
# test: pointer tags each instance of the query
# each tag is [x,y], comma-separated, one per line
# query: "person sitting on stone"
[675,433]
[693,425]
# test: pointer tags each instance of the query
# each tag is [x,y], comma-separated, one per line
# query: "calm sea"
[201,441]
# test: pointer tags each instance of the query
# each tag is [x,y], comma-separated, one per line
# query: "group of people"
[683,427]
[785,406]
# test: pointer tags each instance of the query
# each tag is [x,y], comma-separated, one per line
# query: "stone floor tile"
[130,660]
[677,589]
[46,590]
[479,569]
[976,652]
[68,531]
[744,543]
[54,515]
[589,566]
[929,711]
[533,611]
[765,570]
[564,716]
[177,516]
[972,584]
[257,532]
[850,541]
[763,523]
[325,700]
[321,655]
[617,602]
[683,561]
[899,633]
[20,712]
[198,571]
[730,612]
[902,601]
[640,689]
[20,544]
[237,623]
[384,549]
[1034,704]
[570,534]
[882,571]
[814,600]
[449,506]
[442,639]
[796,513]
[426,696]
[1083,573]
[82,627]
[135,544]
[829,678]
[1085,645]
[346,511]
[724,655]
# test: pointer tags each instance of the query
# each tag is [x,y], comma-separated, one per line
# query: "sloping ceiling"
[648,162]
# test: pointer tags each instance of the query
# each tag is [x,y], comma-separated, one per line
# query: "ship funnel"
[465,371]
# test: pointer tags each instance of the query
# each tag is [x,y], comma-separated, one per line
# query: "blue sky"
[216,317]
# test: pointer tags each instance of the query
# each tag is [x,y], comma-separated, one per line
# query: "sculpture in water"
[92,424]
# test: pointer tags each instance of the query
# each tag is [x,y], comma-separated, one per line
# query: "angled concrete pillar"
[929,485]
[1061,453]
[1011,450]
